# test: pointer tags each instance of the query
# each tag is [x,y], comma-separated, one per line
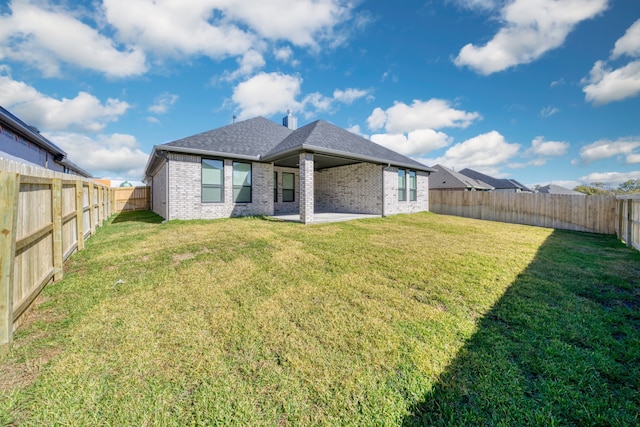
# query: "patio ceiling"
[320,161]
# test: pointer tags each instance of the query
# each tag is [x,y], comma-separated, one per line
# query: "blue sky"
[537,90]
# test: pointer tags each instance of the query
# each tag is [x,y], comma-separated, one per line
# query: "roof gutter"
[208,153]
[25,131]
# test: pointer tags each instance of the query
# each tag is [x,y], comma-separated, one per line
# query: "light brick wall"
[287,207]
[185,190]
[392,205]
[307,196]
[353,189]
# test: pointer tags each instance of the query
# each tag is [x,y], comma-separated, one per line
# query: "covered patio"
[324,217]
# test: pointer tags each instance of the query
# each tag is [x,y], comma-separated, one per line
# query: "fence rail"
[45,217]
[128,199]
[594,214]
[628,227]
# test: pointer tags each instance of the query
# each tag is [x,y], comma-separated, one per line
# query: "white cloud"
[84,112]
[163,102]
[37,39]
[168,28]
[484,152]
[416,143]
[266,94]
[629,44]
[544,148]
[356,129]
[530,29]
[610,178]
[348,96]
[283,54]
[604,148]
[248,63]
[116,155]
[301,22]
[477,4]
[269,93]
[606,85]
[431,114]
[549,111]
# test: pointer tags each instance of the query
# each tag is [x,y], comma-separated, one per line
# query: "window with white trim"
[241,182]
[212,181]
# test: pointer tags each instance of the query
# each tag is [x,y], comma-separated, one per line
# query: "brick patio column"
[306,187]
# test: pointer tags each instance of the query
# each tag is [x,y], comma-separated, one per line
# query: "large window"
[413,186]
[402,185]
[212,181]
[275,187]
[288,187]
[241,182]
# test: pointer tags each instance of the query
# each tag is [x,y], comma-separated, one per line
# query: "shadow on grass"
[561,347]
[148,217]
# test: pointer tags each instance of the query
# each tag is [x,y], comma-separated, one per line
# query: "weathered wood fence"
[593,214]
[45,216]
[128,199]
[628,213]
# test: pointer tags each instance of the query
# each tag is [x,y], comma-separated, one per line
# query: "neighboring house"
[447,179]
[556,189]
[23,143]
[499,184]
[258,167]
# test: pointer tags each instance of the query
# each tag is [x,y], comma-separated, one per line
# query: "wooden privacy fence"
[128,199]
[593,214]
[629,220]
[43,220]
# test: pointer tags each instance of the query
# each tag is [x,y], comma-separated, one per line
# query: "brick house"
[258,167]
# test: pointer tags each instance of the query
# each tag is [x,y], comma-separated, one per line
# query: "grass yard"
[408,320]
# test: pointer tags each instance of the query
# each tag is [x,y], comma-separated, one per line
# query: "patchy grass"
[408,320]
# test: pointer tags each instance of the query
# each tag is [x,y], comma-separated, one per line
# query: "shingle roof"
[498,183]
[250,138]
[556,189]
[263,140]
[445,178]
[326,138]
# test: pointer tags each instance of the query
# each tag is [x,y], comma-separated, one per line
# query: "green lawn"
[408,320]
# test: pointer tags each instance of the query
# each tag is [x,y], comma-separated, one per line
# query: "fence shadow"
[561,347]
[148,217]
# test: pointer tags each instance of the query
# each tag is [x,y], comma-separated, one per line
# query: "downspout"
[166,188]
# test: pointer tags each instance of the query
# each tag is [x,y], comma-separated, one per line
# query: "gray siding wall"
[185,190]
[16,146]
[351,189]
[392,205]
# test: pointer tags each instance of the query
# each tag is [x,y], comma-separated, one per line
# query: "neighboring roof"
[77,169]
[28,132]
[556,189]
[498,183]
[445,178]
[260,139]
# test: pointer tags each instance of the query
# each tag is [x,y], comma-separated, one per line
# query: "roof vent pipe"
[289,121]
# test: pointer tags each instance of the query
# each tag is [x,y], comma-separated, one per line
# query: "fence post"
[92,211]
[79,215]
[629,237]
[9,197]
[56,210]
